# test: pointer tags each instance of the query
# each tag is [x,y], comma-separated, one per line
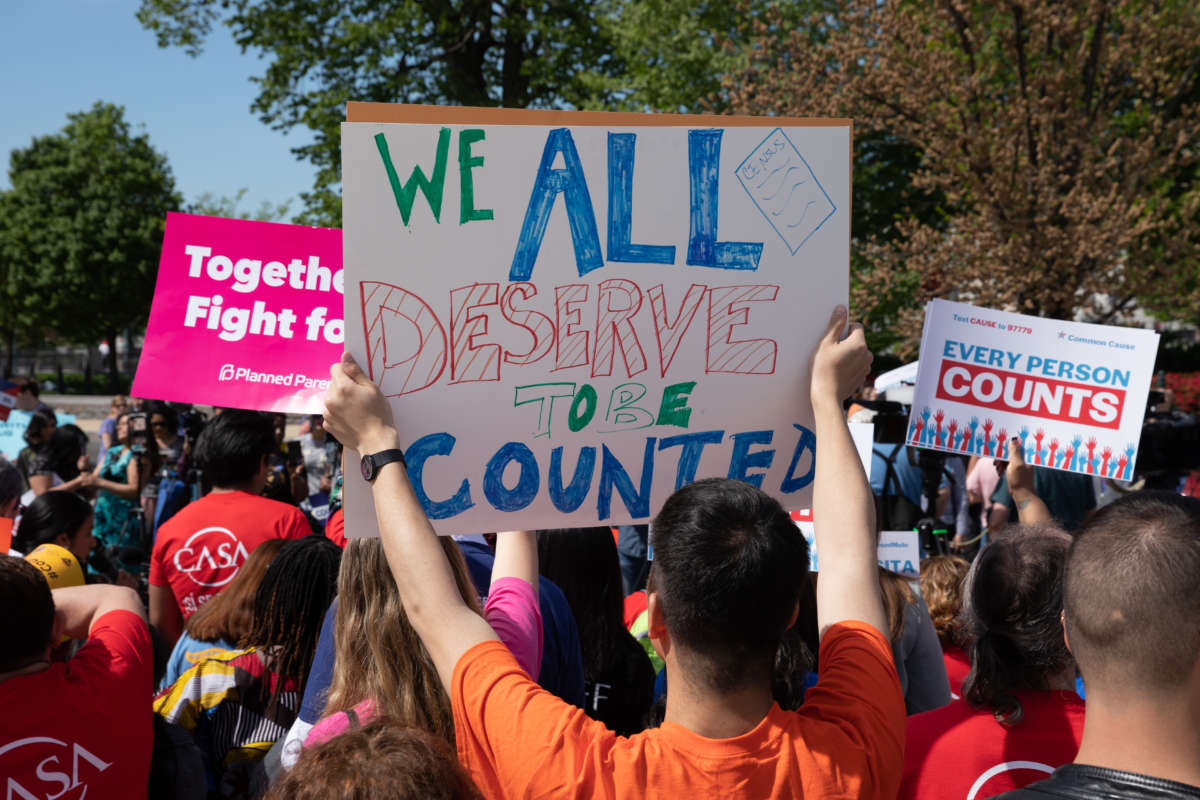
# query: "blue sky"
[60,56]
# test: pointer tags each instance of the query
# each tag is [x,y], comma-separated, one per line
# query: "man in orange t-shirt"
[729,569]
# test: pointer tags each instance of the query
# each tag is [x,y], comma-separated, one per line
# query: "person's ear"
[1062,618]
[656,625]
[62,540]
[58,630]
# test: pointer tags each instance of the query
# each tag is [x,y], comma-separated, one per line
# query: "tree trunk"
[113,375]
[12,353]
[87,371]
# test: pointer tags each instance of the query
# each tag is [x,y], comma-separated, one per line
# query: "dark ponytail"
[1012,614]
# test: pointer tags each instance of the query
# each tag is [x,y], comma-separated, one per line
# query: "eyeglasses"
[159,424]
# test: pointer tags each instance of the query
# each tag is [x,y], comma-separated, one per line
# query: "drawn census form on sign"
[573,314]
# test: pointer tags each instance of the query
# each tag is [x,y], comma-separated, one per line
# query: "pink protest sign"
[246,314]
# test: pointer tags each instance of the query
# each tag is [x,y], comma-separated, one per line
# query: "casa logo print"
[211,557]
[60,770]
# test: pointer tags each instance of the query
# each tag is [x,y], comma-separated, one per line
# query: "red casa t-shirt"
[198,551]
[82,727]
[961,752]
[958,664]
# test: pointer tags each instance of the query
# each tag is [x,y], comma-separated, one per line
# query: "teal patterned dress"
[112,511]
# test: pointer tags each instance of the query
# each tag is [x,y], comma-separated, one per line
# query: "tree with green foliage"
[211,205]
[1062,142]
[81,230]
[323,53]
[671,55]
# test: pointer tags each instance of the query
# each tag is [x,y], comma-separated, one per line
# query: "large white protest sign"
[1074,394]
[574,314]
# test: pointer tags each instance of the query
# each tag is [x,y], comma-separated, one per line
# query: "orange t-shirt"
[846,741]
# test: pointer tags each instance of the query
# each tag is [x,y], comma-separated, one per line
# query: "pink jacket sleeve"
[512,611]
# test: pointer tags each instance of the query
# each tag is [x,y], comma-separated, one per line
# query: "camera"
[139,432]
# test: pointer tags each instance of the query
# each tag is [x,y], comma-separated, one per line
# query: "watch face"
[368,469]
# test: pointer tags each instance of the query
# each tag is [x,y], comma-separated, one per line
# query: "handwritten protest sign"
[573,314]
[12,431]
[1074,394]
[245,314]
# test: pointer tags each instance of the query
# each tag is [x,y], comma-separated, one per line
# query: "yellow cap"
[58,564]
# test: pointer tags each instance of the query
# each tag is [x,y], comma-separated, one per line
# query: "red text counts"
[987,387]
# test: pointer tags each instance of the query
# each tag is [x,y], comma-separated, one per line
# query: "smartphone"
[295,454]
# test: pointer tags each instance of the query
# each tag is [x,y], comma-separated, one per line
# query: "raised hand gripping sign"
[574,314]
[1074,394]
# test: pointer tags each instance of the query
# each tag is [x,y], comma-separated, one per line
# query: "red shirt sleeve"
[118,654]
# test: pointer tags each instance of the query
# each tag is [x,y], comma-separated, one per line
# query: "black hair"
[290,605]
[28,619]
[1012,612]
[169,415]
[49,515]
[38,422]
[583,562]
[30,385]
[1133,592]
[793,662]
[232,446]
[729,568]
[10,481]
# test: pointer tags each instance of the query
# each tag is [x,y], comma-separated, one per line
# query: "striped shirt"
[224,702]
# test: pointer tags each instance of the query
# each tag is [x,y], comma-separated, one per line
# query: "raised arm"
[843,506]
[79,607]
[1019,475]
[516,557]
[359,416]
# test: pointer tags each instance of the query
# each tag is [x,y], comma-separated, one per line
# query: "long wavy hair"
[941,585]
[378,654]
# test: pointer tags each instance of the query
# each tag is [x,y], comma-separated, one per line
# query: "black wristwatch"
[372,462]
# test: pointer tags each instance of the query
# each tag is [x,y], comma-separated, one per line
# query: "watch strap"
[378,460]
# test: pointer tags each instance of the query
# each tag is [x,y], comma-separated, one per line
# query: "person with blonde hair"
[108,426]
[941,585]
[381,665]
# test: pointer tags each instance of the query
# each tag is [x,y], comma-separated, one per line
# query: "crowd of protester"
[190,617]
